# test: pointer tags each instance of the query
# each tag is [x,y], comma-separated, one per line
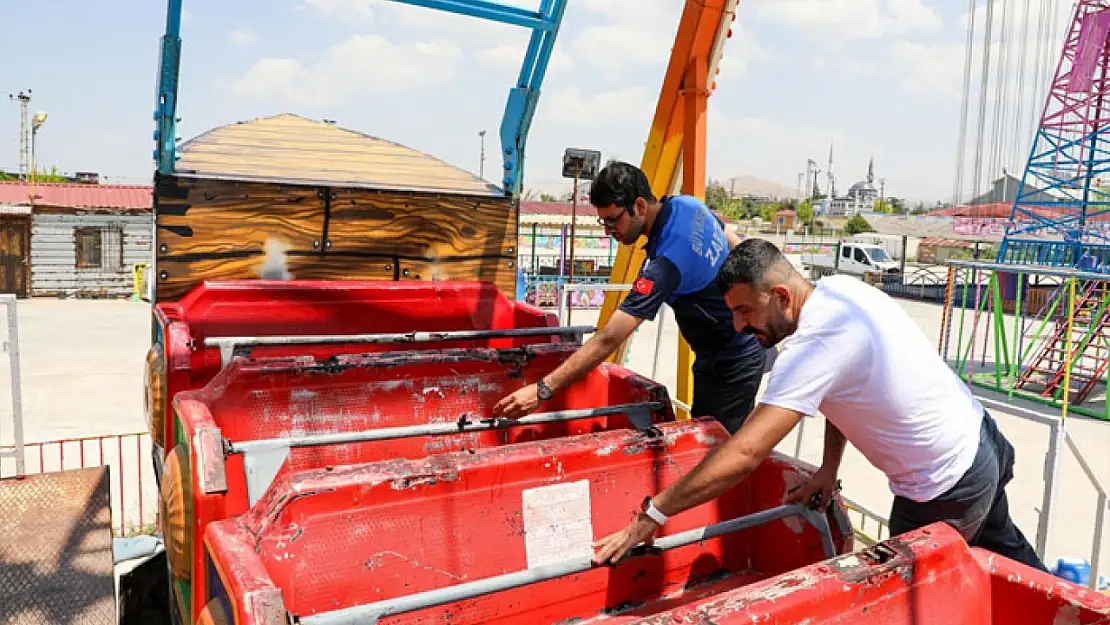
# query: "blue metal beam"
[165,111]
[519,109]
[521,105]
[487,10]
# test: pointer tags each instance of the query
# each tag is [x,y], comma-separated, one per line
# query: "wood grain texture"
[176,278]
[421,226]
[500,271]
[292,148]
[221,230]
[215,217]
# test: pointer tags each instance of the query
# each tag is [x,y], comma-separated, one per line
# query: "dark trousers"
[976,506]
[726,389]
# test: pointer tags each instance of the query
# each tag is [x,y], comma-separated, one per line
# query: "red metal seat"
[328,539]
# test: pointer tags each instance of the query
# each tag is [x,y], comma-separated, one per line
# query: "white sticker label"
[557,524]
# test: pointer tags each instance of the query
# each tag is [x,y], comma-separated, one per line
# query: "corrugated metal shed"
[289,148]
[87,196]
[14,209]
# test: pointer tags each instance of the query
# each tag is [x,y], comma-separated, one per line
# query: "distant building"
[73,240]
[861,198]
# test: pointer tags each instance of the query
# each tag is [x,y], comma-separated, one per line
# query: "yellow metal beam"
[676,143]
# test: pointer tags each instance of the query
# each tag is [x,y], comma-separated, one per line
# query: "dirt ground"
[82,375]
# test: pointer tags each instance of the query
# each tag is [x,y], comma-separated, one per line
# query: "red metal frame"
[329,539]
[264,398]
[305,307]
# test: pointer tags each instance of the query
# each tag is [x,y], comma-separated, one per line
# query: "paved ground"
[82,365]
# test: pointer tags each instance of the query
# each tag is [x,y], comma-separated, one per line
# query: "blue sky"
[878,77]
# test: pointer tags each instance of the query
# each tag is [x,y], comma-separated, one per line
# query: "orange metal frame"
[676,143]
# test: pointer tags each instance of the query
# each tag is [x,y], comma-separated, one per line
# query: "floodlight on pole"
[36,122]
[577,164]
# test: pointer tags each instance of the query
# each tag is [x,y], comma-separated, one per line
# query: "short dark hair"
[749,263]
[619,184]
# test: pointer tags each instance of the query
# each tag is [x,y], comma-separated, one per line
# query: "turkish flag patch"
[643,286]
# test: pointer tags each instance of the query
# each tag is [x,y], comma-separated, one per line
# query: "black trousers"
[976,506]
[726,389]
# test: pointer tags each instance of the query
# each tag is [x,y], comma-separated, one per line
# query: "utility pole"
[24,100]
[482,156]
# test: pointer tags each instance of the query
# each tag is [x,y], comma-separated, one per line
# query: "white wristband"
[654,514]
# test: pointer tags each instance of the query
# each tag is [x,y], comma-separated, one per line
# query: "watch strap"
[543,390]
[654,513]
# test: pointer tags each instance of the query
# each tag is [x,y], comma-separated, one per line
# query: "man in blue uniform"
[686,246]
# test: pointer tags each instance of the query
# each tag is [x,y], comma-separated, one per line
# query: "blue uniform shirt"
[685,249]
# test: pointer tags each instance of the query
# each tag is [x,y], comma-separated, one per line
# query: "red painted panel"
[925,577]
[331,538]
[268,308]
[253,399]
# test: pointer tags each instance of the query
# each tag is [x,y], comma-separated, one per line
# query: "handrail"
[231,345]
[394,337]
[372,612]
[432,429]
[262,459]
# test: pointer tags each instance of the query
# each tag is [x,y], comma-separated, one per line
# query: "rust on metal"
[56,562]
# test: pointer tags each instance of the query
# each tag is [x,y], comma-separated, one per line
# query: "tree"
[857,225]
[53,176]
[805,213]
[768,210]
[882,206]
[547,197]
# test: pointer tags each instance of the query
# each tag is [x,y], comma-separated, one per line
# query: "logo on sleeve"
[643,286]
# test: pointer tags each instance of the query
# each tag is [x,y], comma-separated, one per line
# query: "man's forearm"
[834,448]
[590,355]
[721,470]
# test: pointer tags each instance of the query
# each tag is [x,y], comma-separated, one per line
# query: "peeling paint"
[1066,615]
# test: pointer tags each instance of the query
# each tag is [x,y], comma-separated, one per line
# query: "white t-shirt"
[859,359]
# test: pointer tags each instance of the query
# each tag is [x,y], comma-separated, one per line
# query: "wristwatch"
[544,391]
[653,513]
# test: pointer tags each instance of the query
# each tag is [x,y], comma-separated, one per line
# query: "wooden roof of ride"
[291,149]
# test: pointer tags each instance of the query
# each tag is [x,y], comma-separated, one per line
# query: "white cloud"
[243,37]
[934,69]
[631,105]
[840,20]
[509,57]
[365,64]
[344,10]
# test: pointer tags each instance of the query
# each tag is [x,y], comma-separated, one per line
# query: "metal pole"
[400,337]
[1051,471]
[373,612]
[455,427]
[573,232]
[12,347]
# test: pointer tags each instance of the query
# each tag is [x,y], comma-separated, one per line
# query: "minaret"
[871,171]
[832,177]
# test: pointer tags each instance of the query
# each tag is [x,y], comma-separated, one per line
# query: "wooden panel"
[219,230]
[421,226]
[175,279]
[291,148]
[500,271]
[210,217]
[15,237]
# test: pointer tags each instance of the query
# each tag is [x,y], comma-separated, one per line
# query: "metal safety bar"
[635,412]
[12,347]
[231,346]
[263,458]
[372,612]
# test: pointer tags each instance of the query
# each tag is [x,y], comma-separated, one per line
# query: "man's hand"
[613,547]
[518,404]
[822,483]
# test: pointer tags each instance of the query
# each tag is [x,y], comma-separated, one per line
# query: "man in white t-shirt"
[848,350]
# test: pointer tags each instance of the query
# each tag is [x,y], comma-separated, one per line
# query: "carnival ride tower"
[1058,217]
